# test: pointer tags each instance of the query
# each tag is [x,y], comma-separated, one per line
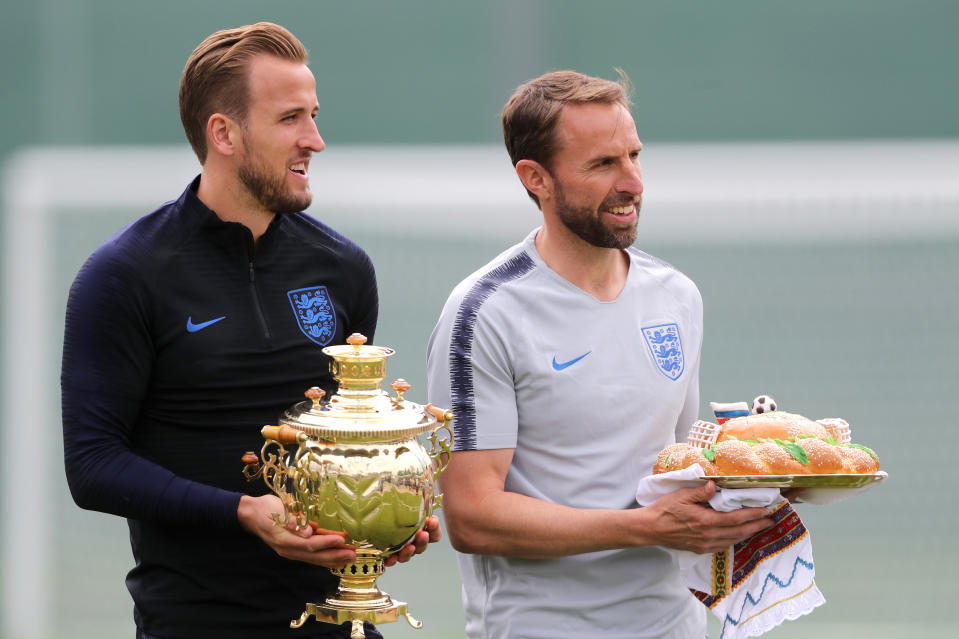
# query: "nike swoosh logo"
[193,328]
[558,367]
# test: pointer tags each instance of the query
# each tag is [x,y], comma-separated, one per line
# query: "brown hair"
[531,113]
[215,77]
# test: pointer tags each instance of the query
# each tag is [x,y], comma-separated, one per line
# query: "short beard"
[270,192]
[588,225]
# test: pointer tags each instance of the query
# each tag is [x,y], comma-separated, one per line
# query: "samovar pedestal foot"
[417,625]
[339,615]
[296,623]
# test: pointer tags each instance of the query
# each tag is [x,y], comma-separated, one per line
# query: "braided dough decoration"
[776,443]
[804,456]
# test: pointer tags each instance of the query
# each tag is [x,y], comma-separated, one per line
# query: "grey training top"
[586,393]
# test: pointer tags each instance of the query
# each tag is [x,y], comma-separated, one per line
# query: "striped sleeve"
[468,367]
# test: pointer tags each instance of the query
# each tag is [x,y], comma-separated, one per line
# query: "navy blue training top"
[182,340]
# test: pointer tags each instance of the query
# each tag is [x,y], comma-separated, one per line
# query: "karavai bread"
[775,443]
[804,456]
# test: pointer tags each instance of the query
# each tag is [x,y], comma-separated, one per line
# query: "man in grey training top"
[570,361]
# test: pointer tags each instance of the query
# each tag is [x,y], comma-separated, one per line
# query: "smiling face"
[278,136]
[597,179]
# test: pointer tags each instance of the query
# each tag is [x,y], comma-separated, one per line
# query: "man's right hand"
[327,549]
[683,521]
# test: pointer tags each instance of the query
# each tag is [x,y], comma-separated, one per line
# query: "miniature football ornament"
[763,404]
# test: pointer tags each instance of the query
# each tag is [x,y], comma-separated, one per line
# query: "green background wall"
[415,71]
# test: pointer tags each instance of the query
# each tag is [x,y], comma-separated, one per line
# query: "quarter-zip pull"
[257,305]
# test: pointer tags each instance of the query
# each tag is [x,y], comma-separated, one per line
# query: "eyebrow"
[297,110]
[599,159]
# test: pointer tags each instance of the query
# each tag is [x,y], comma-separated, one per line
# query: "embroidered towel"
[758,583]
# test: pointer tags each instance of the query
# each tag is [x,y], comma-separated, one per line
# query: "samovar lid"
[360,411]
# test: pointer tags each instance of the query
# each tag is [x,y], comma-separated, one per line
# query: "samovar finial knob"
[400,386]
[356,340]
[316,394]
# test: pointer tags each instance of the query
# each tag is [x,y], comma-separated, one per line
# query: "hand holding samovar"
[357,467]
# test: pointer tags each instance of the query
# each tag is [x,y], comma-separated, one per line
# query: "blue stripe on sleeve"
[461,345]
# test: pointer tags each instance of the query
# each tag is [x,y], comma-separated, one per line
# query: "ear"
[223,134]
[535,178]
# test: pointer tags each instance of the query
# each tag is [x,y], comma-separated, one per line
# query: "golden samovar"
[357,467]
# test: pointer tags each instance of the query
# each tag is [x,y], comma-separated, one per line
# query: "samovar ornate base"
[330,614]
[358,599]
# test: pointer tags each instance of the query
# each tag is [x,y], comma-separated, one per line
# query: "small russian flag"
[724,412]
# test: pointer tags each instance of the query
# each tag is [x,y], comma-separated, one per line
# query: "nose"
[631,179]
[313,141]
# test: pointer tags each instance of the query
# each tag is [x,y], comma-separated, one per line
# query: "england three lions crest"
[667,348]
[314,313]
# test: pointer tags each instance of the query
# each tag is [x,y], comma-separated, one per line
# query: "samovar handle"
[281,434]
[273,468]
[441,414]
[441,447]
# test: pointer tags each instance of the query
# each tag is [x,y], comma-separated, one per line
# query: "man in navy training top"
[197,324]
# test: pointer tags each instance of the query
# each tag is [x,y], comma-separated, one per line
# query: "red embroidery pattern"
[748,554]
